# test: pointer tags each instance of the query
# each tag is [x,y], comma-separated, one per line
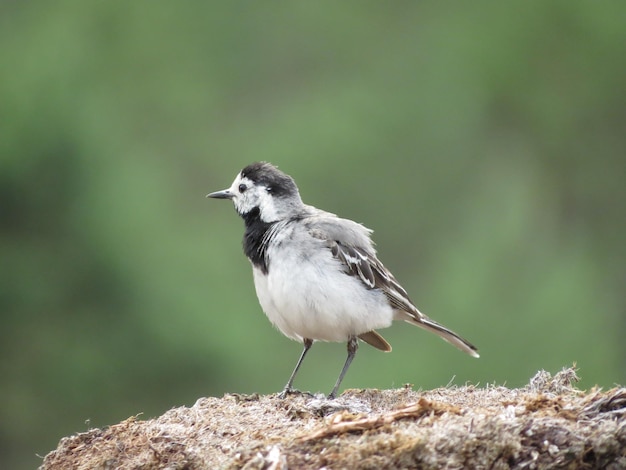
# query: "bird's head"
[263,188]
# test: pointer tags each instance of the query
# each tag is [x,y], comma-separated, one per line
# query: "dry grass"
[547,424]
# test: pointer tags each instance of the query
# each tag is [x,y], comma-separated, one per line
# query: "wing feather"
[373,274]
[349,242]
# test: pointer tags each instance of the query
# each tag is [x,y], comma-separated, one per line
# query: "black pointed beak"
[226,194]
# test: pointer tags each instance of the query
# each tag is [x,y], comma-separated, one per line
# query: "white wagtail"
[316,275]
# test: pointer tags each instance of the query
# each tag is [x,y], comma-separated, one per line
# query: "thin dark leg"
[307,345]
[353,345]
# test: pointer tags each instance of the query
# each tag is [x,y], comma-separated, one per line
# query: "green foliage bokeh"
[484,143]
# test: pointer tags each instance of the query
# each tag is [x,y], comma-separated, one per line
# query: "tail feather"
[446,334]
[374,338]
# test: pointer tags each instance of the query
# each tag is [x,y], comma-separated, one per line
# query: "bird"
[316,275]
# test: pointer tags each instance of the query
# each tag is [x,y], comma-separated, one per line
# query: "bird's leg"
[307,345]
[353,345]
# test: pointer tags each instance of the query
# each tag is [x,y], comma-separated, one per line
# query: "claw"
[293,391]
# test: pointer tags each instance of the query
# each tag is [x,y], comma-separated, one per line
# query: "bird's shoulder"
[327,226]
[350,243]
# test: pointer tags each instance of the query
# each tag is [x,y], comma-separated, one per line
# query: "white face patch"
[248,195]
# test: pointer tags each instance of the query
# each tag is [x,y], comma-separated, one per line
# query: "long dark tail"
[446,334]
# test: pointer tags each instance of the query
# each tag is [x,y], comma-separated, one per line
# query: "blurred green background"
[485,144]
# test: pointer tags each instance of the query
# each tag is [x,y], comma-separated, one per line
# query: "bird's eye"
[268,189]
[242,188]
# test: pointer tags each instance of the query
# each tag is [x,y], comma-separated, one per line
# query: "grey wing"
[350,243]
[373,274]
[342,237]
[327,226]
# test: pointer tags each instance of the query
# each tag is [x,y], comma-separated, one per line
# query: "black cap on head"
[268,175]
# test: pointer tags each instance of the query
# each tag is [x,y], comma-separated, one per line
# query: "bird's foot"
[293,391]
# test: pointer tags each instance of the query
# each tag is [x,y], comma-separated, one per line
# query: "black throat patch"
[255,239]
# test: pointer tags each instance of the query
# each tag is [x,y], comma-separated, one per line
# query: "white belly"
[311,298]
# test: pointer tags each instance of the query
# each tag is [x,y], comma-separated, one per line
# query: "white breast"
[306,295]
